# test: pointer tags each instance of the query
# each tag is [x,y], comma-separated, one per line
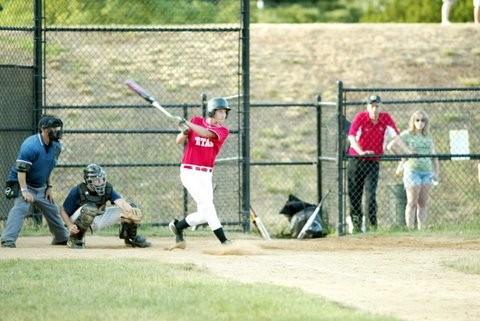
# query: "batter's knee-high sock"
[220,234]
[181,225]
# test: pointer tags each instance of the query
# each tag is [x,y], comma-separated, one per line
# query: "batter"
[204,138]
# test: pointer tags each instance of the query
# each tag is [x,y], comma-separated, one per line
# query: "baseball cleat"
[75,243]
[138,241]
[174,230]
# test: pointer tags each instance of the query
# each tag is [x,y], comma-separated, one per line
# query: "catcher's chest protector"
[87,197]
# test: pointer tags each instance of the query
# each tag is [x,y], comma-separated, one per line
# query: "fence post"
[341,147]
[245,128]
[318,99]
[38,63]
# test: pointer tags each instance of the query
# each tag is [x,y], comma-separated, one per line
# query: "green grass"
[470,265]
[126,289]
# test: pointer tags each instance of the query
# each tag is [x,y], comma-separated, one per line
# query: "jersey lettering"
[202,141]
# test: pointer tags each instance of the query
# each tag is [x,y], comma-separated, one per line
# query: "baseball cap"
[374,99]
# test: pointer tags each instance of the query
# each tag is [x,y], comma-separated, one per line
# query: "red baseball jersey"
[200,150]
[372,136]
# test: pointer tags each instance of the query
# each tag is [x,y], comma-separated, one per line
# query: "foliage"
[108,12]
[415,11]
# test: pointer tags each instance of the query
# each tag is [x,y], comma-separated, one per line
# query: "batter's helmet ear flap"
[217,103]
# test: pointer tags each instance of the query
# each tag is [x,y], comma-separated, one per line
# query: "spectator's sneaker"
[363,228]
[348,221]
[178,234]
[9,244]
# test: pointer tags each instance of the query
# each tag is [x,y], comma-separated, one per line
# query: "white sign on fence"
[459,143]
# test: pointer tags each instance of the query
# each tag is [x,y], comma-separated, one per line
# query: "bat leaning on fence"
[310,220]
[145,95]
[257,222]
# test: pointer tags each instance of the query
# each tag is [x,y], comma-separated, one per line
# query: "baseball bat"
[310,220]
[257,222]
[145,95]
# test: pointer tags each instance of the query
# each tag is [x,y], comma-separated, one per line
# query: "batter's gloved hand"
[133,215]
[183,128]
[180,120]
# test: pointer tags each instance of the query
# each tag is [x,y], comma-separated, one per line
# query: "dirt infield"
[405,277]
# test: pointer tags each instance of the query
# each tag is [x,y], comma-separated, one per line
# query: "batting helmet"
[216,103]
[95,178]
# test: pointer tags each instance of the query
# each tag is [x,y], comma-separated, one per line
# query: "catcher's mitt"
[133,215]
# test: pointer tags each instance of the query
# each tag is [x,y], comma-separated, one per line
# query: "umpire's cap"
[50,122]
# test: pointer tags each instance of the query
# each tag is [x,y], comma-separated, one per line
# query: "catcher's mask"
[95,178]
[217,103]
[51,123]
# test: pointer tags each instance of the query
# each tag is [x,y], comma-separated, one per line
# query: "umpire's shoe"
[178,234]
[9,244]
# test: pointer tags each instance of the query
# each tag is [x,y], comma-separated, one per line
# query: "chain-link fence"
[283,151]
[274,149]
[83,65]
[452,120]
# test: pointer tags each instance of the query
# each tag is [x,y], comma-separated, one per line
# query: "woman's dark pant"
[362,175]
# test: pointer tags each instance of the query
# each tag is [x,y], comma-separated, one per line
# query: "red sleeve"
[356,124]
[388,120]
[222,133]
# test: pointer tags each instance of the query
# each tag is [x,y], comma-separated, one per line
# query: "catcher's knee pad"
[86,217]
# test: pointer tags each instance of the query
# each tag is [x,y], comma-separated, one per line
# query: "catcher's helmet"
[217,103]
[95,178]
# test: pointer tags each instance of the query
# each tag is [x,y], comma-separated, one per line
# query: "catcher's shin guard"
[128,232]
[76,241]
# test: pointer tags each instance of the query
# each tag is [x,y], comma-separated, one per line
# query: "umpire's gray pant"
[20,210]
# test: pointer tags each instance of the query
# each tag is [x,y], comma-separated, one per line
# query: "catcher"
[85,209]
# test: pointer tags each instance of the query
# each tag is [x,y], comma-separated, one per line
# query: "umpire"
[29,182]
